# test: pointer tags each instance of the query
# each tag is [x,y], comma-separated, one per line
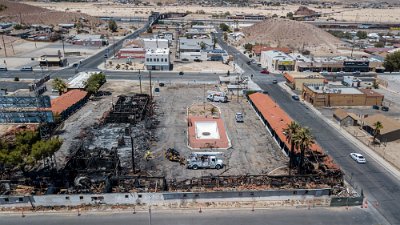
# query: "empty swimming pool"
[207,130]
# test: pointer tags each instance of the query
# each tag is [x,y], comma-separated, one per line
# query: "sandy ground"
[251,152]
[337,12]
[205,66]
[22,52]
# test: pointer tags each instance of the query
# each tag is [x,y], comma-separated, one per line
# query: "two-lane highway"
[378,185]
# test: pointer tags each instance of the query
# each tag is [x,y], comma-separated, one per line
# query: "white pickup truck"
[217,98]
[205,160]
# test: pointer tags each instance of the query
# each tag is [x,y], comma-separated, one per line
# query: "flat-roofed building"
[295,80]
[155,43]
[277,61]
[157,59]
[338,95]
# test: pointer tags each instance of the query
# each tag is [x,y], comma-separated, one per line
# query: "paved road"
[337,216]
[375,181]
[156,75]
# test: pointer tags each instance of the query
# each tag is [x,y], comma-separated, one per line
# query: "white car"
[358,157]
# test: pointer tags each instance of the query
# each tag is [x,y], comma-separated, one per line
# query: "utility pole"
[204,97]
[4,45]
[238,86]
[133,152]
[151,91]
[140,82]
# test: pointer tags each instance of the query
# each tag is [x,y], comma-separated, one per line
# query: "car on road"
[239,117]
[375,107]
[26,68]
[295,97]
[358,157]
[264,71]
[324,72]
[275,81]
[385,108]
[181,73]
[3,68]
[356,73]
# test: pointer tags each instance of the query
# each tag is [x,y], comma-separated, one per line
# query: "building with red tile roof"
[276,119]
[68,102]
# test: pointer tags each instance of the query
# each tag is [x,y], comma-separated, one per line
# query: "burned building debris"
[129,109]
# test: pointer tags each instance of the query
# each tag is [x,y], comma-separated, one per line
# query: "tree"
[248,47]
[392,61]
[362,34]
[112,25]
[203,45]
[225,36]
[274,16]
[303,139]
[378,126]
[224,27]
[290,131]
[94,82]
[289,15]
[60,85]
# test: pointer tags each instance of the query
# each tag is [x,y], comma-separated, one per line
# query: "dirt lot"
[253,151]
[205,66]
[337,12]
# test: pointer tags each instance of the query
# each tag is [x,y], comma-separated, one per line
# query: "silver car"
[358,157]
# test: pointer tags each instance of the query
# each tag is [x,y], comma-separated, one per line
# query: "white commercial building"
[195,45]
[155,43]
[276,61]
[157,59]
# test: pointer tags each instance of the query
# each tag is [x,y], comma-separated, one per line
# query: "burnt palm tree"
[304,139]
[290,131]
[378,126]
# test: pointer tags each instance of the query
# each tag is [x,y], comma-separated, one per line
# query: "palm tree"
[290,131]
[59,85]
[378,126]
[304,139]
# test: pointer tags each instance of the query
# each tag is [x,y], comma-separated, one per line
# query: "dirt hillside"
[296,35]
[27,14]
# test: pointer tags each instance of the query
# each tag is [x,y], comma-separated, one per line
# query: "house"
[338,95]
[277,61]
[345,118]
[89,40]
[157,59]
[195,45]
[389,132]
[52,60]
[295,80]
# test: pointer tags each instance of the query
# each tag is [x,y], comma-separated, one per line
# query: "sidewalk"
[365,149]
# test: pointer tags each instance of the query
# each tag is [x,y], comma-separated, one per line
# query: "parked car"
[239,117]
[358,157]
[275,81]
[324,72]
[181,73]
[356,73]
[264,71]
[248,62]
[385,108]
[375,107]
[3,68]
[198,60]
[26,68]
[295,97]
